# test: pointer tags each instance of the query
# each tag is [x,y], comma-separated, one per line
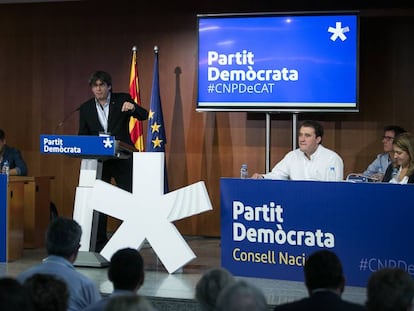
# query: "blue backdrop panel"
[248,46]
[269,227]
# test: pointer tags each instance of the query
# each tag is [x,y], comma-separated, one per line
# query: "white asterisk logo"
[338,31]
[108,142]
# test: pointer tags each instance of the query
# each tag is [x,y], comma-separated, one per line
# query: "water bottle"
[6,168]
[244,173]
[394,173]
[332,174]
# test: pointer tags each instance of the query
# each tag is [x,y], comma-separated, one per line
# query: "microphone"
[66,118]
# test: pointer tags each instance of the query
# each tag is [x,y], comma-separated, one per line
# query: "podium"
[93,150]
[147,213]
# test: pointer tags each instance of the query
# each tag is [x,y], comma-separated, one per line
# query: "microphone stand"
[60,124]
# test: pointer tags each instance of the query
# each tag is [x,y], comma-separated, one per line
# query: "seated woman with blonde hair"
[401,171]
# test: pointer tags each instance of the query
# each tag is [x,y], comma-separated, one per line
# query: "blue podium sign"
[78,145]
[3,218]
[269,227]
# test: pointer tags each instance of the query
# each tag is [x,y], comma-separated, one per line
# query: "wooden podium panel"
[25,210]
[15,219]
[36,211]
[36,204]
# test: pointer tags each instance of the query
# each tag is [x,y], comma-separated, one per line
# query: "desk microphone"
[66,118]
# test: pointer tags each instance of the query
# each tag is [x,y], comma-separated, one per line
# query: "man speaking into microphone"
[108,113]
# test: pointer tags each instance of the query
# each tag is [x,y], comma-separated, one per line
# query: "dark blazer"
[320,301]
[118,122]
[388,175]
[15,159]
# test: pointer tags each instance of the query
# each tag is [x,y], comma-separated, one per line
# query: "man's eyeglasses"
[387,137]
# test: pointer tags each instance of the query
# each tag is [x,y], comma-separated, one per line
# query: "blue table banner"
[269,227]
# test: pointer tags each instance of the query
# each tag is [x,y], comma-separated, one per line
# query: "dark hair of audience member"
[129,303]
[63,237]
[241,296]
[13,296]
[210,285]
[126,269]
[390,289]
[47,292]
[323,269]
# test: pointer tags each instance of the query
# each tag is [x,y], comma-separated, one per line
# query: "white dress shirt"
[296,166]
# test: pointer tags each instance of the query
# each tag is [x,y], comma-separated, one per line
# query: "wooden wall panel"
[48,51]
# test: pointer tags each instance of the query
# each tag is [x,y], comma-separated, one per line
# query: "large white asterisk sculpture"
[146,213]
[338,31]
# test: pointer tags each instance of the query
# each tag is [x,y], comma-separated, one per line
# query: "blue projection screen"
[267,62]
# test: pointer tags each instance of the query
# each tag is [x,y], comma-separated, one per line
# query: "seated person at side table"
[377,168]
[402,170]
[311,161]
[13,155]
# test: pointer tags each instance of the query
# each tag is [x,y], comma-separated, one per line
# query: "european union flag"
[156,138]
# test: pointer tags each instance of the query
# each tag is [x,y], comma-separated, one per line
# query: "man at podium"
[108,113]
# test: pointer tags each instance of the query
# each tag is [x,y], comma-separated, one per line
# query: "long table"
[24,214]
[269,227]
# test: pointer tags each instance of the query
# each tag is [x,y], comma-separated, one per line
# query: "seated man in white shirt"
[311,161]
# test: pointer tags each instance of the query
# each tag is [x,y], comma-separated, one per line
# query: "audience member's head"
[129,303]
[323,270]
[13,296]
[210,285]
[390,289]
[241,296]
[126,269]
[47,292]
[63,238]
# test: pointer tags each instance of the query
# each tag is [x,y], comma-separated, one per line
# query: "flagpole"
[135,126]
[134,57]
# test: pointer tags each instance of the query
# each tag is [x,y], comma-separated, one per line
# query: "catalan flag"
[135,126]
[156,138]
